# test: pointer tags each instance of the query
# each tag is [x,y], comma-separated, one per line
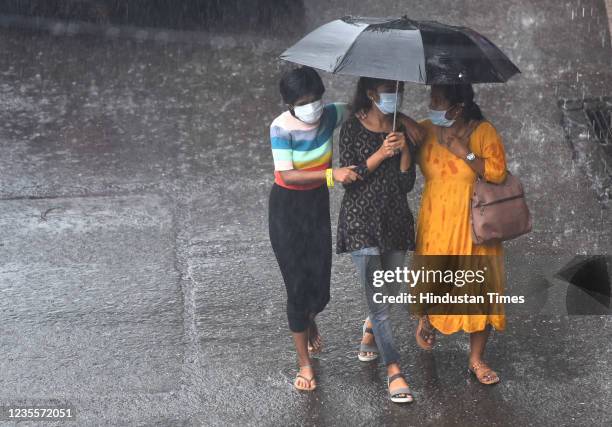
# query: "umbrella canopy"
[425,52]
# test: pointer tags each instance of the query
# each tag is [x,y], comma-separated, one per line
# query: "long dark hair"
[463,94]
[361,101]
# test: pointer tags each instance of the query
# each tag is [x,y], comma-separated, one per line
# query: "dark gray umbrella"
[424,52]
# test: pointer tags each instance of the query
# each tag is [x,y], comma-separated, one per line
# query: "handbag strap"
[471,130]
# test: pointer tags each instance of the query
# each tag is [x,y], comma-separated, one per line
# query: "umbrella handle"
[395,109]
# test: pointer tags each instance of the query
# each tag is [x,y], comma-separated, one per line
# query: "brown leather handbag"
[499,211]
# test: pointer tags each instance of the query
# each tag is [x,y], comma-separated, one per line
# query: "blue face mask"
[438,118]
[389,101]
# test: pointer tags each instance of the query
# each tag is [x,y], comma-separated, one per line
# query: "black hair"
[463,94]
[361,101]
[300,82]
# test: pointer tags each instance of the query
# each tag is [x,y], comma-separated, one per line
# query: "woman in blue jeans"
[375,223]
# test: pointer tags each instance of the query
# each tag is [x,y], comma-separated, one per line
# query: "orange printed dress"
[443,226]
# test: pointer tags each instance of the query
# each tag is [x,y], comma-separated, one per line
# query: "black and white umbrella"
[402,49]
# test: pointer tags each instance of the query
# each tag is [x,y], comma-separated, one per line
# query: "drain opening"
[599,115]
[587,124]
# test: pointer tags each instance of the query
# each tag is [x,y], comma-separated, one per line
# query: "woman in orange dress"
[460,146]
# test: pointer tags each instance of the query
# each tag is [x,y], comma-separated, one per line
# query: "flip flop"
[367,348]
[308,380]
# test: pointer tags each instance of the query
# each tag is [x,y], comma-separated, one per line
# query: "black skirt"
[300,233]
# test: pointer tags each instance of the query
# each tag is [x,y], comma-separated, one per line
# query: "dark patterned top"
[374,211]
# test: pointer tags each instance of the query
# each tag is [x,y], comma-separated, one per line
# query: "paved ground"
[609,9]
[138,283]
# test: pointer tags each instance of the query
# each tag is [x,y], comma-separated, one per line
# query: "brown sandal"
[484,373]
[424,333]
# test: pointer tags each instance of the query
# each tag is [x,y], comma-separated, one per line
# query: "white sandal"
[367,348]
[395,397]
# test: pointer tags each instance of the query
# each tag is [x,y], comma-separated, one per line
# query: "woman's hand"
[456,145]
[399,138]
[415,131]
[345,175]
[392,145]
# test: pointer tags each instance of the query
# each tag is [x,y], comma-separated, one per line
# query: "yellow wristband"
[329,176]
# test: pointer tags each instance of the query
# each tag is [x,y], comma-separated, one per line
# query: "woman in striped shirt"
[299,220]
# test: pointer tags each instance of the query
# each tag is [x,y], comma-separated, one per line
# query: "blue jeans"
[367,261]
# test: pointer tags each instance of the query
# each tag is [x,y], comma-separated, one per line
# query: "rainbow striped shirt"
[300,146]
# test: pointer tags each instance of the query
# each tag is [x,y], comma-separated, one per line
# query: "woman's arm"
[461,151]
[388,149]
[490,161]
[343,111]
[406,159]
[298,177]
[492,154]
[349,154]
[414,131]
[407,175]
[282,152]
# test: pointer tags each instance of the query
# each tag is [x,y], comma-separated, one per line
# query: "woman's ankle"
[393,368]
[304,361]
[474,359]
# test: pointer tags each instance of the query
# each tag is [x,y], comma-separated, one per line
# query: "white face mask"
[309,113]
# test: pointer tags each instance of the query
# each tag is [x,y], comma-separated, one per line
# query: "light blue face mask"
[388,102]
[438,118]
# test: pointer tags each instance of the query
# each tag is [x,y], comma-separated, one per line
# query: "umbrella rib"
[338,67]
[492,46]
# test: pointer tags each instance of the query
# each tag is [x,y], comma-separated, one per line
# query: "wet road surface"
[138,283]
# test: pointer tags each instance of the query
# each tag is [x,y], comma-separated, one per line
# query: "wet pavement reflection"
[149,293]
